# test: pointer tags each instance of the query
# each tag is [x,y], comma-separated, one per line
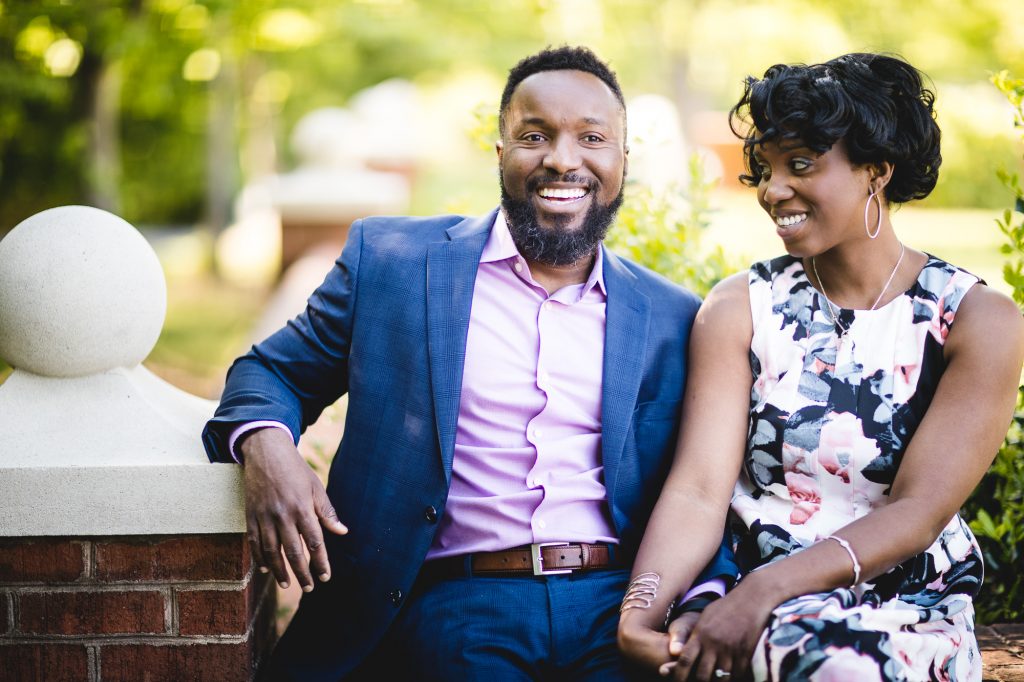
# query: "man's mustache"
[570,178]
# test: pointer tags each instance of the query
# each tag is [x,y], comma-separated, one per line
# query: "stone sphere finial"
[81,292]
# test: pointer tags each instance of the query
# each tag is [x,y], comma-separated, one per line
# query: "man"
[514,392]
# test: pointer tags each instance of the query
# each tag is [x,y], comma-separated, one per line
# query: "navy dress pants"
[559,627]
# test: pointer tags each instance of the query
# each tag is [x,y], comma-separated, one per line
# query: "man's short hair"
[563,58]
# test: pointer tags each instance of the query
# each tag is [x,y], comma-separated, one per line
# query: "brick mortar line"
[158,639]
[110,586]
[89,558]
[9,607]
[94,663]
[15,613]
[171,617]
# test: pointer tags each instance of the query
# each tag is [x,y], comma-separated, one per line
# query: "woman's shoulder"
[727,306]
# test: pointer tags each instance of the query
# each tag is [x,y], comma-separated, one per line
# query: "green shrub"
[664,232]
[996,508]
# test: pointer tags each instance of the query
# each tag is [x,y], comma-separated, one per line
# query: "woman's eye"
[800,164]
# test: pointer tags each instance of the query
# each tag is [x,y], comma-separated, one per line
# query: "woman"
[857,387]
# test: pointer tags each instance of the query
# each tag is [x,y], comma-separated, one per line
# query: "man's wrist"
[240,434]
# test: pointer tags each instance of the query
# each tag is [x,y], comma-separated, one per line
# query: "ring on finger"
[719,673]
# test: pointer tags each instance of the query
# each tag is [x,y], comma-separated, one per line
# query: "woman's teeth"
[786,221]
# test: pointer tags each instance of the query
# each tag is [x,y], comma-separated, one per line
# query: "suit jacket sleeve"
[722,565]
[299,370]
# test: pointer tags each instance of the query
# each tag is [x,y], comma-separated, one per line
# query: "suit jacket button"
[396,597]
[430,514]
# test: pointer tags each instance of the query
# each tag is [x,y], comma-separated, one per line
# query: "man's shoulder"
[416,225]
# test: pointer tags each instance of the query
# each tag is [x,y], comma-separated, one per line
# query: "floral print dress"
[830,419]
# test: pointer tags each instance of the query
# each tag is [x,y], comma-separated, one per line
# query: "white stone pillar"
[91,442]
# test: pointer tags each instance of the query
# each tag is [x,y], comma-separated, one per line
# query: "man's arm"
[289,378]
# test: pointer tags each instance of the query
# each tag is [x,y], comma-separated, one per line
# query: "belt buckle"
[537,559]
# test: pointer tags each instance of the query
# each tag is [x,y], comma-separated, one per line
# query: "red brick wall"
[132,608]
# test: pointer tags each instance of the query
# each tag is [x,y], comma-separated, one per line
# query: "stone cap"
[92,443]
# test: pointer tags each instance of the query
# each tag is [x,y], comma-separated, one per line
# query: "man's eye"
[594,139]
[533,137]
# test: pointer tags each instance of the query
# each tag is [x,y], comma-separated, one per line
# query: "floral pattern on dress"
[830,419]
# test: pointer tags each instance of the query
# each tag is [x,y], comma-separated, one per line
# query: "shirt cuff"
[252,426]
[716,586]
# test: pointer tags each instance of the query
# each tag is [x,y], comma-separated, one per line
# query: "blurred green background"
[156,109]
[163,111]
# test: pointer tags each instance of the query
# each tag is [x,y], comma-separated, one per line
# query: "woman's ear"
[880,174]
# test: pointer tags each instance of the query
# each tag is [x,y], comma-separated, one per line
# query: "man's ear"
[499,147]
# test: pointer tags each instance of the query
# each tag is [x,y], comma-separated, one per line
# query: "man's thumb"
[329,517]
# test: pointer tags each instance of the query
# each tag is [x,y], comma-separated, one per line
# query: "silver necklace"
[832,308]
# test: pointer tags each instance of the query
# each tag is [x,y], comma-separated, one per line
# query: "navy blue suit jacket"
[389,326]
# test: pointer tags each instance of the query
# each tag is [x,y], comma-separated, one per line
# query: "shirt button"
[518,266]
[542,524]
[545,377]
[430,514]
[395,596]
[537,433]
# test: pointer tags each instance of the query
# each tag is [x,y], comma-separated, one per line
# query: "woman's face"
[815,200]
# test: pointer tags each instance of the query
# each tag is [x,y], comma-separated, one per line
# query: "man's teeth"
[550,193]
[786,221]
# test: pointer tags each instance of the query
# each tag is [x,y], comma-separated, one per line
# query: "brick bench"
[189,607]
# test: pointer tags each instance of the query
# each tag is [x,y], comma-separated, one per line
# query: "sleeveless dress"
[830,418]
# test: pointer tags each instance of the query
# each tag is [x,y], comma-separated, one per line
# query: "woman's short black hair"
[875,103]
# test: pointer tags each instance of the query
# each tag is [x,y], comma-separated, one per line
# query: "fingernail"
[324,577]
[264,569]
[307,588]
[663,671]
[283,584]
[675,647]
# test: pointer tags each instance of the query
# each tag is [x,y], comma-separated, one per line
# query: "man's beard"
[556,245]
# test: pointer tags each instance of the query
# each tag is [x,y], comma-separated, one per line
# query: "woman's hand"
[723,638]
[640,643]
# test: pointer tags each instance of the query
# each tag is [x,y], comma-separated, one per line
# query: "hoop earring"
[867,205]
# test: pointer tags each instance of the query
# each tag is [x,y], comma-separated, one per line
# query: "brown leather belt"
[542,558]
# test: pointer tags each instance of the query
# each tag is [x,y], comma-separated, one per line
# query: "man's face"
[562,159]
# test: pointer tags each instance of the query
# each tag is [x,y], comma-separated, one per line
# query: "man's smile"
[562,195]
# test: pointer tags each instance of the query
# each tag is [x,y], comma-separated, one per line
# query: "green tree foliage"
[148,107]
[996,508]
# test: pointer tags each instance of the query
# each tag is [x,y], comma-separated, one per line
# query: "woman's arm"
[950,452]
[686,526]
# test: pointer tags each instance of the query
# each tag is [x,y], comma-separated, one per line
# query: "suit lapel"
[626,328]
[451,275]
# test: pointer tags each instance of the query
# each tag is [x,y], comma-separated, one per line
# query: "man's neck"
[554,277]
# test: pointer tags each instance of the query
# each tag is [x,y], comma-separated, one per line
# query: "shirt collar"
[500,247]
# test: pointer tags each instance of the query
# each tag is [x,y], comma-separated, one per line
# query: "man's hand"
[285,505]
[723,638]
[678,632]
